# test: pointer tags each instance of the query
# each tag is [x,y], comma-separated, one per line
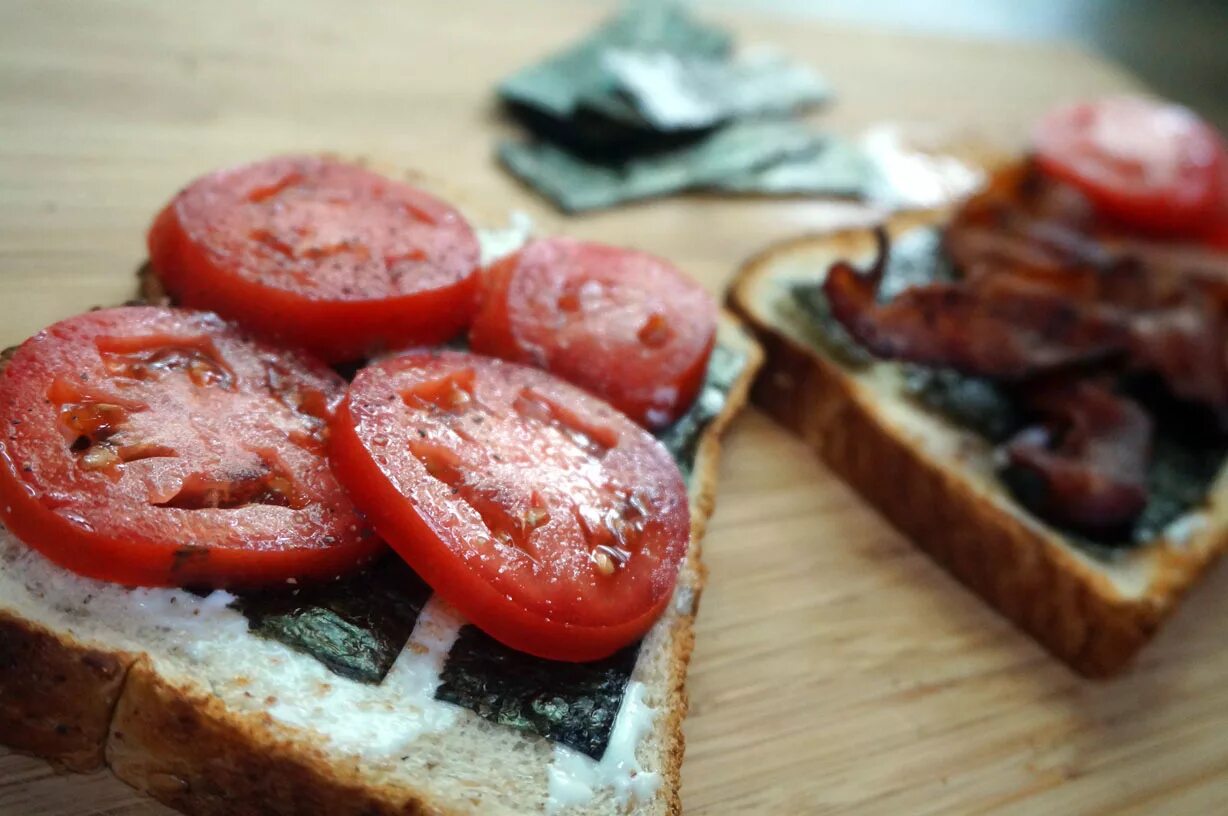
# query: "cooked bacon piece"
[1187,346]
[1043,286]
[1026,224]
[1002,327]
[1085,468]
[1172,297]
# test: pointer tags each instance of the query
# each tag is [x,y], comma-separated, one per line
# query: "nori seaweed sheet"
[835,167]
[576,184]
[1187,452]
[634,110]
[355,626]
[572,703]
[572,98]
[674,92]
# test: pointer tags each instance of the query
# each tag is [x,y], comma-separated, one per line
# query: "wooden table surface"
[837,670]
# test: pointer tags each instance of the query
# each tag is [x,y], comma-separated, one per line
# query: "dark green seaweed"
[834,167]
[1186,456]
[355,626]
[576,184]
[654,102]
[571,703]
[573,97]
[679,92]
[975,403]
[1181,474]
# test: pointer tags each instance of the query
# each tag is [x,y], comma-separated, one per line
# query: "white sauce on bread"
[203,641]
[576,778]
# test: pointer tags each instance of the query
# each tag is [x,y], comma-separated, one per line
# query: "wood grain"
[837,670]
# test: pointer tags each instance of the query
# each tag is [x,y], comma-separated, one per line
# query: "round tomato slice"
[1152,166]
[319,254]
[550,520]
[624,325]
[160,447]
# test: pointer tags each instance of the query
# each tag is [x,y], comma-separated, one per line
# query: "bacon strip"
[1041,290]
[1085,468]
[1001,327]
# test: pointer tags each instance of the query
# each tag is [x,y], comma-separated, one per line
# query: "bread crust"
[1015,563]
[188,751]
[703,502]
[57,695]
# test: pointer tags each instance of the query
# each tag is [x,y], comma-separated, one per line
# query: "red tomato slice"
[547,518]
[319,254]
[160,447]
[1216,233]
[624,325]
[1148,165]
[1152,166]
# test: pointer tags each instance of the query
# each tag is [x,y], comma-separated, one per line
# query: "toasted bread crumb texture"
[56,696]
[934,481]
[210,719]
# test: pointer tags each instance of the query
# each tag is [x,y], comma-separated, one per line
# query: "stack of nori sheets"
[655,102]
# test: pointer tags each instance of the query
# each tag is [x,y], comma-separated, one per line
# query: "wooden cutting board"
[836,669]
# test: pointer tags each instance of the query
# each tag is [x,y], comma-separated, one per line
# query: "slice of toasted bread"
[935,480]
[174,694]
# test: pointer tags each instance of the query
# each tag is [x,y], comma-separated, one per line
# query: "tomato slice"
[1152,166]
[1216,233]
[547,518]
[319,254]
[160,447]
[624,325]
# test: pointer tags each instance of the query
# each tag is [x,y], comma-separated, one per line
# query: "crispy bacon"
[1085,466]
[1002,327]
[1187,346]
[1041,289]
[1047,291]
[1024,224]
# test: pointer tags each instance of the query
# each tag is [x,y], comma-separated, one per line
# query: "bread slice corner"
[935,482]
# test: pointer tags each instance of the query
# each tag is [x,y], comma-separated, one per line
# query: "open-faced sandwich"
[455,572]
[1033,386]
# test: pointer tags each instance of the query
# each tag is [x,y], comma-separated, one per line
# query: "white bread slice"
[179,700]
[935,481]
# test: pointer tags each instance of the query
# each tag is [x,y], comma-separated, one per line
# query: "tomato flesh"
[1153,166]
[547,518]
[160,447]
[320,254]
[1216,233]
[624,325]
